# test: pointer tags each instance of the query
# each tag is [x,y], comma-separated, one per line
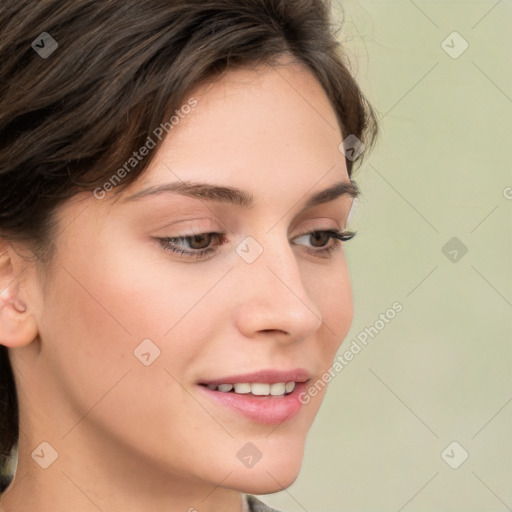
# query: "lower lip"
[270,410]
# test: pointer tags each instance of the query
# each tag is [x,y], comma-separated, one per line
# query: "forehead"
[261,121]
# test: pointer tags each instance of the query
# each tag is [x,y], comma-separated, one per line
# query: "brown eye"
[320,238]
[318,243]
[196,246]
[201,241]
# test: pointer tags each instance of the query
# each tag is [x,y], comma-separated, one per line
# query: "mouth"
[254,388]
[268,396]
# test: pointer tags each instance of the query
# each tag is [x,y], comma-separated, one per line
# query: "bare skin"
[133,437]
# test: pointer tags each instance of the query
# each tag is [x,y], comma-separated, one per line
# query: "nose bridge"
[274,296]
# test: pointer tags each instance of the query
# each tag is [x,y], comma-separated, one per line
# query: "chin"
[264,485]
[267,478]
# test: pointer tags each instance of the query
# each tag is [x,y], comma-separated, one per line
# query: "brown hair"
[70,119]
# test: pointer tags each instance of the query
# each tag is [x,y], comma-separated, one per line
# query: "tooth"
[256,388]
[289,387]
[277,389]
[259,388]
[243,388]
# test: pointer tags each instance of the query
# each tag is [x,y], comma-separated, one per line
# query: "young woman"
[175,180]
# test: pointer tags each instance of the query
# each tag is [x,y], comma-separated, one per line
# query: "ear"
[18,325]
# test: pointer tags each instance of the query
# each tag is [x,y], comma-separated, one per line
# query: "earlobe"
[17,324]
[16,329]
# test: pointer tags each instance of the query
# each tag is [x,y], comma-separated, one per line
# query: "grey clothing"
[253,504]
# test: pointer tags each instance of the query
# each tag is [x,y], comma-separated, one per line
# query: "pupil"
[320,237]
[200,241]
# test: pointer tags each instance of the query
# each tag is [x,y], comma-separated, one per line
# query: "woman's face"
[128,328]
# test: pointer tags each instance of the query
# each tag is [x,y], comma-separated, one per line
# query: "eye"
[320,241]
[199,245]
[193,246]
[201,241]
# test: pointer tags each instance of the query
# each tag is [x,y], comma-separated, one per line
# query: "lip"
[270,410]
[268,376]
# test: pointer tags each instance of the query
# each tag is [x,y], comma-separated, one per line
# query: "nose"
[272,298]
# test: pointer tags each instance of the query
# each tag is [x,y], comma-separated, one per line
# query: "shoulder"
[256,505]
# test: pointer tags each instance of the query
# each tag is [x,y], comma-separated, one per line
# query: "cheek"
[103,310]
[94,319]
[148,291]
[331,290]
[85,342]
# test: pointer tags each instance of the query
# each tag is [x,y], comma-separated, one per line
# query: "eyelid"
[197,225]
[320,224]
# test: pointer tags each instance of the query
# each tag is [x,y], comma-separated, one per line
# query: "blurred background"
[420,418]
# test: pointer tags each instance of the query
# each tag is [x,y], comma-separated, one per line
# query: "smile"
[256,388]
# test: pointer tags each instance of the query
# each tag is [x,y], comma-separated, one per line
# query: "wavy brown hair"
[121,68]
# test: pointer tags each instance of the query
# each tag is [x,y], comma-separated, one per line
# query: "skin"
[132,437]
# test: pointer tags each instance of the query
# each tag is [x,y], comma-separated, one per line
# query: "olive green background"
[441,370]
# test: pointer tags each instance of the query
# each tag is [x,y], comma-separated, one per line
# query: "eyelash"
[168,243]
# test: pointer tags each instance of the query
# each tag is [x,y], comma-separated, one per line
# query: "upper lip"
[269,376]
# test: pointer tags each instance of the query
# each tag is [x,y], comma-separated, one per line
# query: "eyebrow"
[237,197]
